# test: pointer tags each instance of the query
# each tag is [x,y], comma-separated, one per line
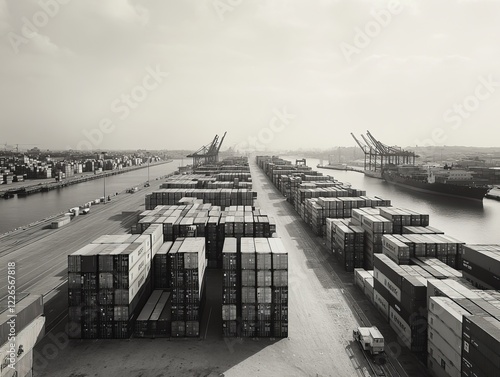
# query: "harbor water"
[468,220]
[19,211]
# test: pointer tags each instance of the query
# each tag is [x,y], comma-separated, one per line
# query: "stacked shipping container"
[401,298]
[481,265]
[106,285]
[255,288]
[187,264]
[218,197]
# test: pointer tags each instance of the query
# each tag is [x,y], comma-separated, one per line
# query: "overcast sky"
[279,74]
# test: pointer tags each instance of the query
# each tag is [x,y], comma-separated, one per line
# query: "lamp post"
[148,154]
[104,172]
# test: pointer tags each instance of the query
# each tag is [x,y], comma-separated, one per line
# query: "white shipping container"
[461,289]
[453,340]
[437,287]
[155,231]
[440,343]
[156,247]
[136,250]
[359,275]
[438,364]
[449,312]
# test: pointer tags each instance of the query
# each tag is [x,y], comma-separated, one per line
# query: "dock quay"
[34,188]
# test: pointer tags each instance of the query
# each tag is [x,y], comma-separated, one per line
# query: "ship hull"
[464,192]
[334,167]
[373,174]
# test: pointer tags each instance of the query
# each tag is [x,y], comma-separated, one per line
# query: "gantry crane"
[208,154]
[378,155]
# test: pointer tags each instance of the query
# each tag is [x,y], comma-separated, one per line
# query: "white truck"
[370,339]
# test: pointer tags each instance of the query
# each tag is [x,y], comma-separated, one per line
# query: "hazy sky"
[279,74]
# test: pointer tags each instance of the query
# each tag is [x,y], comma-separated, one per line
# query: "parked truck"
[370,339]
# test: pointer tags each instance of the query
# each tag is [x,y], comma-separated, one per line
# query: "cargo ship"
[441,181]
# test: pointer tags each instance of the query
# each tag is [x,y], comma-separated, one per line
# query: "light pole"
[148,154]
[104,172]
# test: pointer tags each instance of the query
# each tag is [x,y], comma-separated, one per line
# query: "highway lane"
[40,252]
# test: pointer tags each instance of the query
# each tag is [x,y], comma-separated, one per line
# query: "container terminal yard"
[351,260]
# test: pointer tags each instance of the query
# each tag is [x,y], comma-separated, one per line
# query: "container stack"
[255,288]
[481,346]
[264,285]
[108,281]
[230,287]
[365,281]
[142,323]
[395,249]
[421,230]
[401,298]
[154,319]
[218,197]
[444,347]
[375,227]
[453,350]
[403,218]
[210,222]
[248,285]
[187,263]
[348,245]
[481,265]
[279,288]
[129,275]
[161,272]
[211,236]
[445,248]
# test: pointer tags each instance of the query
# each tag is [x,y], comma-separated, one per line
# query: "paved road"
[334,299]
[40,252]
